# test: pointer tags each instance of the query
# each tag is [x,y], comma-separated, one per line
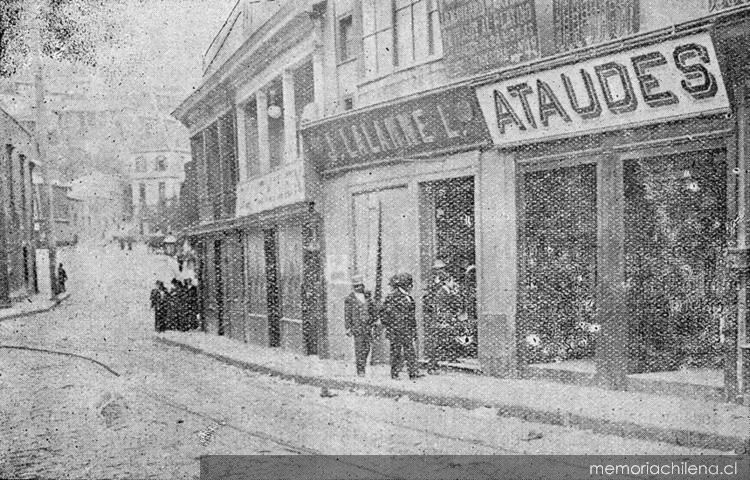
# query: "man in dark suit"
[359,318]
[400,320]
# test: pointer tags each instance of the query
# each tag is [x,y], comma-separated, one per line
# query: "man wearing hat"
[359,318]
[440,305]
[400,320]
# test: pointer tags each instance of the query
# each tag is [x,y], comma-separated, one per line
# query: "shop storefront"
[260,273]
[400,191]
[622,168]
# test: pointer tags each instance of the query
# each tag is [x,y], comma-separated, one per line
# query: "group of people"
[449,320]
[175,308]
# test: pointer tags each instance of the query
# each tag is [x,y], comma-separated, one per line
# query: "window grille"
[579,23]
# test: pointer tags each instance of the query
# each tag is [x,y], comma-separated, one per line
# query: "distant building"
[65,210]
[17,255]
[100,205]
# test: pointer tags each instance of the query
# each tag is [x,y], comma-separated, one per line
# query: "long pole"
[4,280]
[41,144]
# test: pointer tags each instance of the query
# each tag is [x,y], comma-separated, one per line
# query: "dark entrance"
[312,284]
[448,235]
[273,296]
[219,286]
[26,275]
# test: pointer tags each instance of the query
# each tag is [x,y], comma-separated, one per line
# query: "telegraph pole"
[4,280]
[41,142]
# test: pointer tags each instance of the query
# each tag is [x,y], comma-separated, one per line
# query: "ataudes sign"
[432,122]
[672,79]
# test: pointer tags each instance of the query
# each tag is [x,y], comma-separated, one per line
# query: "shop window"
[578,23]
[558,265]
[675,235]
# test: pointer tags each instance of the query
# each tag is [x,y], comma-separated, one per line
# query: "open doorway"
[448,261]
[273,296]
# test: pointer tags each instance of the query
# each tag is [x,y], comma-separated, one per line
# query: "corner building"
[587,158]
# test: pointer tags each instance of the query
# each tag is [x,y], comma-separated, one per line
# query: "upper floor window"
[399,33]
[578,23]
[140,164]
[417,31]
[162,192]
[377,37]
[160,163]
[346,39]
[142,193]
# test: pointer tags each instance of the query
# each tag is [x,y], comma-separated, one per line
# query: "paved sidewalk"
[29,306]
[676,420]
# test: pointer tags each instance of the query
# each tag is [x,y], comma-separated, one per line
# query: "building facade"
[157,172]
[67,213]
[579,166]
[17,253]
[100,208]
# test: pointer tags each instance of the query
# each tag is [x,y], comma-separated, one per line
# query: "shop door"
[234,287]
[219,286]
[675,234]
[273,292]
[447,234]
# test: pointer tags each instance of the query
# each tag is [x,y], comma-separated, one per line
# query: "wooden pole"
[4,280]
[41,143]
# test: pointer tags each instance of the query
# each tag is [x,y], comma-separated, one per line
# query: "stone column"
[496,262]
[241,144]
[264,149]
[290,117]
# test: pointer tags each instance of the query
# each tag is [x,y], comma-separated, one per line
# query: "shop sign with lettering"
[433,122]
[479,35]
[276,189]
[676,78]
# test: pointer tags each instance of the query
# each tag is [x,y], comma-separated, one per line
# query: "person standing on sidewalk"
[159,300]
[400,320]
[62,277]
[359,318]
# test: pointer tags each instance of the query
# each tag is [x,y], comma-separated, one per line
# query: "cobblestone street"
[148,410]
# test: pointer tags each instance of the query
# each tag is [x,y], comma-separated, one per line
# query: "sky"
[162,43]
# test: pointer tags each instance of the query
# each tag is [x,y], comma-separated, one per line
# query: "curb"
[683,438]
[60,298]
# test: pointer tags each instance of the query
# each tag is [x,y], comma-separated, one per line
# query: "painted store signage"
[429,123]
[676,78]
[276,189]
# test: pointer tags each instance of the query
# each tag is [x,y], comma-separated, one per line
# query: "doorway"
[273,297]
[448,235]
[219,286]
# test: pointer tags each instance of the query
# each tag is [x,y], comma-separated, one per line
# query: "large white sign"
[676,78]
[276,189]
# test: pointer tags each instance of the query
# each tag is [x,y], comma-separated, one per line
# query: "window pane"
[421,32]
[404,37]
[436,46]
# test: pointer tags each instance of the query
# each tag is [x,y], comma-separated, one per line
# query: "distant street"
[66,417]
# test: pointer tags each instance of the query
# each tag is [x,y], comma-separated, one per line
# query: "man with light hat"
[359,318]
